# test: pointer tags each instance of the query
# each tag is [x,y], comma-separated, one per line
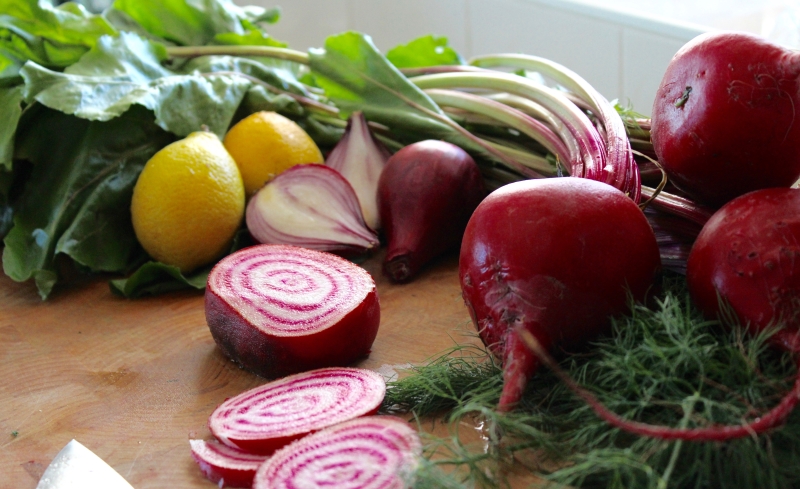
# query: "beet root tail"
[772,419]
[519,363]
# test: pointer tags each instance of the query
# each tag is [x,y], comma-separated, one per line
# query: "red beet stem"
[772,419]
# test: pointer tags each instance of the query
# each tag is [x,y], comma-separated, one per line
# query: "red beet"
[277,310]
[224,465]
[376,452]
[268,417]
[556,257]
[748,254]
[725,117]
[426,194]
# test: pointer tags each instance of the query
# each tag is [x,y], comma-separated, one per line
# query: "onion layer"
[376,452]
[224,465]
[312,206]
[268,417]
[278,310]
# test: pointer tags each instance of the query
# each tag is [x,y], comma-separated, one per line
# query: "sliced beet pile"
[224,465]
[268,417]
[374,452]
[278,310]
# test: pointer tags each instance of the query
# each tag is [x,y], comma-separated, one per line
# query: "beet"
[277,310]
[725,117]
[426,194]
[556,257]
[748,255]
[224,465]
[374,452]
[268,417]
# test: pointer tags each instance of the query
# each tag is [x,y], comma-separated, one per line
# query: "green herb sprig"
[665,365]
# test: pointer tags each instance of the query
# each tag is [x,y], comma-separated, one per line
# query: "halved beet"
[278,310]
[374,452]
[268,417]
[224,465]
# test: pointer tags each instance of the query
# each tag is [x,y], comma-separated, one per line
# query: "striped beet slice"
[268,417]
[278,310]
[224,465]
[373,452]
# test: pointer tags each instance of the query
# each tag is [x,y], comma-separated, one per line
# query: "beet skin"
[557,257]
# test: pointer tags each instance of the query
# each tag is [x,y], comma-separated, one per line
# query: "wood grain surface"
[134,380]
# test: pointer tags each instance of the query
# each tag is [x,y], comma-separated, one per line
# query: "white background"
[620,46]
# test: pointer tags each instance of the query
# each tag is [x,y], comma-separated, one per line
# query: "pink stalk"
[593,154]
[620,171]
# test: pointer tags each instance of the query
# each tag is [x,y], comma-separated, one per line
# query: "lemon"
[264,144]
[188,202]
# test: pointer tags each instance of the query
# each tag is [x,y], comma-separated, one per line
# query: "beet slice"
[268,417]
[375,452]
[224,465]
[278,310]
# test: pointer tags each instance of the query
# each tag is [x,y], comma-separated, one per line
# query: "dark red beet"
[725,118]
[748,254]
[426,194]
[556,257]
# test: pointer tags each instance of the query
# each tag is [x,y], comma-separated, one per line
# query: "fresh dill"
[662,365]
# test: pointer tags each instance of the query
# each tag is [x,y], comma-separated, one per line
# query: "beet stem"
[775,417]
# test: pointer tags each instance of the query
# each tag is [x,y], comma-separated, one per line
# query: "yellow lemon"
[264,144]
[188,202]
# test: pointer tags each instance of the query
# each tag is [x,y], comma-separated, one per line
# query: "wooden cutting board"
[134,380]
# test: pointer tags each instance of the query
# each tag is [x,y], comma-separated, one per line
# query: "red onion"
[278,310]
[224,465]
[268,417]
[360,158]
[312,206]
[376,452]
[426,194]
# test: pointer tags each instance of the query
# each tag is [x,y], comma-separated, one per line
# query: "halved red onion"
[268,417]
[312,206]
[224,465]
[374,452]
[278,310]
[360,158]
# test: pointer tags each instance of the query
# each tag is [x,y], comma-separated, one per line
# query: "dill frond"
[662,365]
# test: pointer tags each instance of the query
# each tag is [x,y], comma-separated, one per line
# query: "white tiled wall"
[622,54]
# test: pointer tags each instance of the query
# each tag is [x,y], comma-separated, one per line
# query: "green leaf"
[76,201]
[155,278]
[11,108]
[424,51]
[50,36]
[356,76]
[193,22]
[250,38]
[126,70]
